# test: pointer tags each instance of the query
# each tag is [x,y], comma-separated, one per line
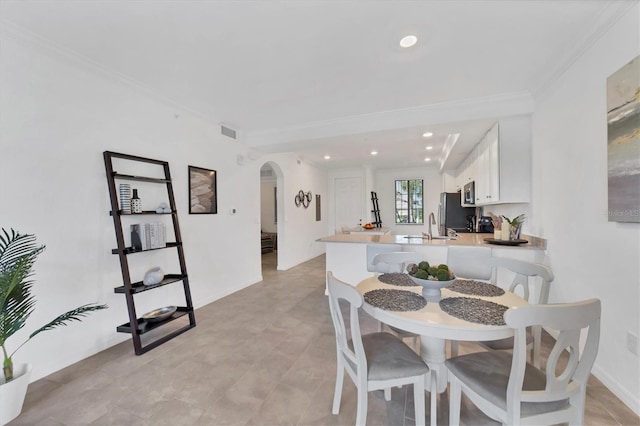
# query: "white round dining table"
[435,326]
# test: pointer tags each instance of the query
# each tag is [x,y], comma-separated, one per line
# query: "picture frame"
[623,137]
[203,191]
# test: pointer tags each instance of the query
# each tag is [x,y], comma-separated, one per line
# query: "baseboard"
[619,391]
[613,385]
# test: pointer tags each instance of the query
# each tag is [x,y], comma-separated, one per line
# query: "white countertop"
[534,243]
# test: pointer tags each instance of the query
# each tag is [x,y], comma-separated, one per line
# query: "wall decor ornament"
[623,143]
[303,199]
[203,194]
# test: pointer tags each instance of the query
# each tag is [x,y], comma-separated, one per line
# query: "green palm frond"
[73,315]
[18,253]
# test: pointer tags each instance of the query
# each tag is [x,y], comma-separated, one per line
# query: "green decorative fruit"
[443,275]
[424,265]
[422,274]
[443,266]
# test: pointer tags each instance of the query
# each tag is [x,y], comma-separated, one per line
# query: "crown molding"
[507,104]
[611,13]
[45,46]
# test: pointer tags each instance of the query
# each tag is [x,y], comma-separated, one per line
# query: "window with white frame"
[409,198]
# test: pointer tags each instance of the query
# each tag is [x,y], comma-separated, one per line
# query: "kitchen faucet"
[432,221]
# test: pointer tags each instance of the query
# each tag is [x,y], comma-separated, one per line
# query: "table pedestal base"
[432,351]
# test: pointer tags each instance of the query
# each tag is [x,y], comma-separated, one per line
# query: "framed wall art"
[203,194]
[623,143]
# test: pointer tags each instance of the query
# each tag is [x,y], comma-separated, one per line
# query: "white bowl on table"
[431,288]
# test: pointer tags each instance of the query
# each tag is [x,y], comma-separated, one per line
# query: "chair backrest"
[523,271]
[470,262]
[339,290]
[394,261]
[568,319]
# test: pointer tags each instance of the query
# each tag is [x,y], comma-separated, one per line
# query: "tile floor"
[264,355]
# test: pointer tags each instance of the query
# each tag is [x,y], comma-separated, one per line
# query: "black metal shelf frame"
[129,289]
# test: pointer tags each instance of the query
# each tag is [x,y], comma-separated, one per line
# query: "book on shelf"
[147,236]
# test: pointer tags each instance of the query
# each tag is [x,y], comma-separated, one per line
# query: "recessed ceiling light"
[408,41]
[427,134]
[427,159]
[429,148]
[327,157]
[374,152]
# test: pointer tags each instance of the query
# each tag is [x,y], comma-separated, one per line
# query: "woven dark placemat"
[476,288]
[395,300]
[396,278]
[474,310]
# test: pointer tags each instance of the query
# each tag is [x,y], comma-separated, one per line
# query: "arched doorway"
[271,215]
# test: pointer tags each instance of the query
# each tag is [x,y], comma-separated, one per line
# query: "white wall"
[298,229]
[58,115]
[385,187]
[590,256]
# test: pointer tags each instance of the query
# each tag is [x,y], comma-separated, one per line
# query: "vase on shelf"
[136,202]
[125,198]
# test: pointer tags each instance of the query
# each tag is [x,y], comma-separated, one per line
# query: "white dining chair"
[510,390]
[532,282]
[374,361]
[396,262]
[470,263]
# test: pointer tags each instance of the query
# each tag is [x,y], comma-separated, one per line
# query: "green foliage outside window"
[409,198]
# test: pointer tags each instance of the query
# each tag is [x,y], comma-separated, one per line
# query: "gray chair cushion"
[487,374]
[389,358]
[506,343]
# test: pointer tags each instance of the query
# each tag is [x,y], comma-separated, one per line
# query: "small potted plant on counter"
[515,225]
[18,253]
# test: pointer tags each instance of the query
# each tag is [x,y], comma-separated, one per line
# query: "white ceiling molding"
[611,13]
[48,47]
[445,112]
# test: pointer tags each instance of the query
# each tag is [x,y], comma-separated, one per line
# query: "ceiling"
[329,77]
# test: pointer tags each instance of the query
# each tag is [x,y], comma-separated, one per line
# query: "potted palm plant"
[18,253]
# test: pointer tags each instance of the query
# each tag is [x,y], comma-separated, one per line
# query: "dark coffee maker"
[485,224]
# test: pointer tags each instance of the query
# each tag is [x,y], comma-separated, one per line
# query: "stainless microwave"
[469,194]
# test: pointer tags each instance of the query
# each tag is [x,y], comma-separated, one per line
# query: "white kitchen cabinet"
[488,168]
[503,163]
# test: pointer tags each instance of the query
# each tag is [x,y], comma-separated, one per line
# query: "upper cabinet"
[500,164]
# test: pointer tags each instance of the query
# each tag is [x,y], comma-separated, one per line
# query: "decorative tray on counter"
[506,242]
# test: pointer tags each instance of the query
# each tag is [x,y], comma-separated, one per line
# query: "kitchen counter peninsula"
[347,255]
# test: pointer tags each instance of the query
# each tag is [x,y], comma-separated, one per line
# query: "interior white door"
[348,201]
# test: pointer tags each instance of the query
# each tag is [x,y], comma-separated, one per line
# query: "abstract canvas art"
[623,143]
[203,197]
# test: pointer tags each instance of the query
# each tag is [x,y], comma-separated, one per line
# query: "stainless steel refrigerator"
[452,215]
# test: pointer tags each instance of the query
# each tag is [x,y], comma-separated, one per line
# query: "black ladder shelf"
[129,289]
[377,222]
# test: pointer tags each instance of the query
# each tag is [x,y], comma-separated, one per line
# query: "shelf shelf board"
[145,326]
[131,250]
[139,287]
[145,212]
[140,178]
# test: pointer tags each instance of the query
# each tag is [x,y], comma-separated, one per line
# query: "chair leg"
[337,395]
[418,400]
[433,393]
[455,399]
[537,341]
[387,394]
[361,411]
